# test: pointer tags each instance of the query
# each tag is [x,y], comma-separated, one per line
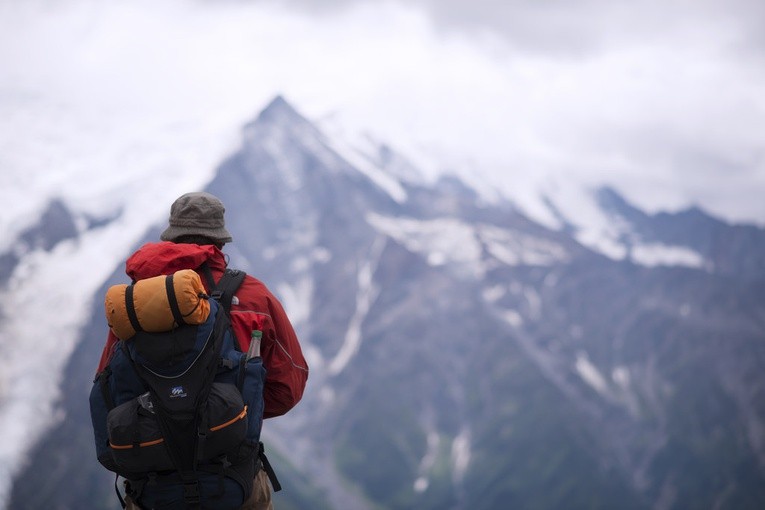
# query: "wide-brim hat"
[197,213]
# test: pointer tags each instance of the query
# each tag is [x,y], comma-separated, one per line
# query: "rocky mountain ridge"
[463,355]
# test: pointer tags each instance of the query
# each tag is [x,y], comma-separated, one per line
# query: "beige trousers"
[261,494]
[259,500]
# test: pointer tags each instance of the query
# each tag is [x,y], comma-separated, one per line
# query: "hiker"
[194,240]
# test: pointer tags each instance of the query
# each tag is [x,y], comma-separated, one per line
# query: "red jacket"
[257,309]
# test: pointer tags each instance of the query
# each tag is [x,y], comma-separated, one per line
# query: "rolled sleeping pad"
[150,302]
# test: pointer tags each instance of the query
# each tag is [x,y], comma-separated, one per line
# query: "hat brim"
[220,235]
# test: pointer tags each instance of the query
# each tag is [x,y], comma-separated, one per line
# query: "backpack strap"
[227,286]
[223,291]
[172,300]
[103,382]
[123,504]
[204,268]
[266,466]
[130,307]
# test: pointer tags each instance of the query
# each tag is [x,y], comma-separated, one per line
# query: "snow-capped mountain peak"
[453,340]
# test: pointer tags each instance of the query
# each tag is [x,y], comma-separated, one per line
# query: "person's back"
[193,240]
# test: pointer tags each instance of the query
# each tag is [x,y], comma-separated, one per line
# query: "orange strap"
[240,416]
[140,445]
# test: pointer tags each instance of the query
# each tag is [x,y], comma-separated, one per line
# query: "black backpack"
[178,414]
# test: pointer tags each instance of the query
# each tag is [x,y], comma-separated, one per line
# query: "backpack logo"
[178,392]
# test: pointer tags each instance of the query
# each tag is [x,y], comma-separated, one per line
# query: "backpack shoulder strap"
[227,286]
[224,290]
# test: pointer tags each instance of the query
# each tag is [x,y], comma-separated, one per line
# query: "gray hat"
[197,213]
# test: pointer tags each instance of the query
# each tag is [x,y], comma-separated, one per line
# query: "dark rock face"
[56,224]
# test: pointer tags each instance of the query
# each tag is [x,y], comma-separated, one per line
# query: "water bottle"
[254,350]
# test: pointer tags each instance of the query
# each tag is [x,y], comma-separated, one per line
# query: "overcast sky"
[663,99]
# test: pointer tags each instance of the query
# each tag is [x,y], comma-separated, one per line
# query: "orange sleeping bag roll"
[148,305]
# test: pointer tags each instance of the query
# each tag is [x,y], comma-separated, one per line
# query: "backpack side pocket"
[135,438]
[252,378]
[227,419]
[100,404]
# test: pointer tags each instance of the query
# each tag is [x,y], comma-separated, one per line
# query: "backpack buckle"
[191,493]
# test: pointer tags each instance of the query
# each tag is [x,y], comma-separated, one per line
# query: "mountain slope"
[464,356]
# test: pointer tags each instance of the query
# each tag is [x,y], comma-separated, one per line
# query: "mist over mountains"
[463,355]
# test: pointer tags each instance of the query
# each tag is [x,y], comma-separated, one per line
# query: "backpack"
[177,412]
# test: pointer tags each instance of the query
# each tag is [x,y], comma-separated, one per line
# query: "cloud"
[558,26]
[662,100]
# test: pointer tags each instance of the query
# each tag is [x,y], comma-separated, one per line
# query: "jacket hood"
[154,259]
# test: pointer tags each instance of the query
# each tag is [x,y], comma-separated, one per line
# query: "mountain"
[463,355]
